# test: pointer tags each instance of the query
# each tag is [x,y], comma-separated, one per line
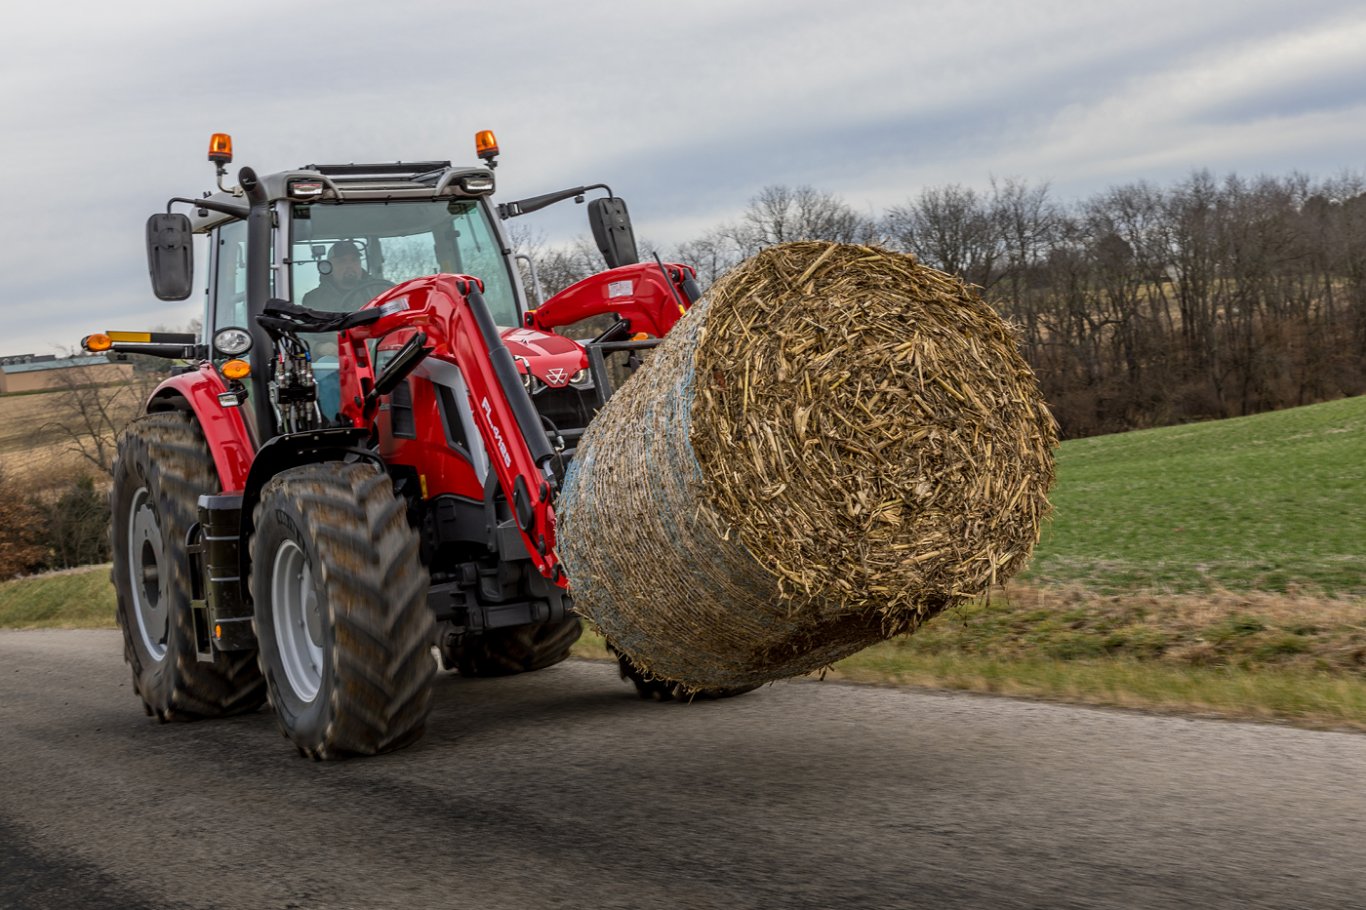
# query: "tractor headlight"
[305,189]
[232,341]
[477,185]
[578,377]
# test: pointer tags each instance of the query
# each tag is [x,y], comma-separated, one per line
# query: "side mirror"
[170,256]
[612,230]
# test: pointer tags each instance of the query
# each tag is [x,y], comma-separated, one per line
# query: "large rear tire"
[341,611]
[504,652]
[162,468]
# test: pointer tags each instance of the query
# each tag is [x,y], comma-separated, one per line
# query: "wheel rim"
[298,620]
[146,562]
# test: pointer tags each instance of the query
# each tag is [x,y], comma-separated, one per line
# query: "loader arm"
[649,296]
[449,310]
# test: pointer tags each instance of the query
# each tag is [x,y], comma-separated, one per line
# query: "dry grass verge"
[1297,658]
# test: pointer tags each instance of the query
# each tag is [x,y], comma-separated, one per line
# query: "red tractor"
[363,460]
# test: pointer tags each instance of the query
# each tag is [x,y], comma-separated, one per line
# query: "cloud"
[687,109]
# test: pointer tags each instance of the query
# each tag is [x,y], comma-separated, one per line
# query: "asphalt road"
[562,789]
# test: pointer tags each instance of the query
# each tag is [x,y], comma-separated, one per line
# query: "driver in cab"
[335,287]
[342,288]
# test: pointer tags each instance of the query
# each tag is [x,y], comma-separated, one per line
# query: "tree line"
[1138,306]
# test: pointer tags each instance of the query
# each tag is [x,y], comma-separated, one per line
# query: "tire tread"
[376,587]
[169,448]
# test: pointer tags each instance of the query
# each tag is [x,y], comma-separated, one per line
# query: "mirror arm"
[226,208]
[531,204]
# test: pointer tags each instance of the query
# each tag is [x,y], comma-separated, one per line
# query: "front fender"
[230,443]
[283,453]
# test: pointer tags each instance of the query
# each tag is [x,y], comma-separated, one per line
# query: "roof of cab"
[395,180]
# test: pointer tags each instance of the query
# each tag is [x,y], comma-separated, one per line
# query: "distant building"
[35,372]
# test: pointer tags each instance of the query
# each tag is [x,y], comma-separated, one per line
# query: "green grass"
[1270,502]
[79,599]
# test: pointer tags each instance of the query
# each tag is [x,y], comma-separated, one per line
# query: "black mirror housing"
[612,231]
[170,256]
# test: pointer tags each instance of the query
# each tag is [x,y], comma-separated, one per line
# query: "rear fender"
[225,431]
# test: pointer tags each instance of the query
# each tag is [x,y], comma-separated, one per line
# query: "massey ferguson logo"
[556,376]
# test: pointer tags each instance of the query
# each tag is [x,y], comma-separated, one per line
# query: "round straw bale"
[834,445]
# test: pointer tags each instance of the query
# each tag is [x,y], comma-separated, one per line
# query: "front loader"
[362,460]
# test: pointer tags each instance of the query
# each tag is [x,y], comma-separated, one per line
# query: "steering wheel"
[371,288]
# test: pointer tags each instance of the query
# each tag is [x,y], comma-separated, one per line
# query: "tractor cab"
[334,237]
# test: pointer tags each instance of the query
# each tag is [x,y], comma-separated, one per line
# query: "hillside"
[1269,502]
[35,449]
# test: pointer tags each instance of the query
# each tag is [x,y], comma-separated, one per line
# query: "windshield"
[342,256]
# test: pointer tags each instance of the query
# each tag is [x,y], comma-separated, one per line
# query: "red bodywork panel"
[552,359]
[224,429]
[639,293]
[437,306]
[440,470]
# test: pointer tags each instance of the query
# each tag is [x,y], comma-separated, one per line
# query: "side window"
[230,284]
[479,254]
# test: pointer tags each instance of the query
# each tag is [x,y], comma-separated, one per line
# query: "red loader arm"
[640,293]
[450,311]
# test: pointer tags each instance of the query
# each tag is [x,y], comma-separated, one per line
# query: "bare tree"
[780,214]
[950,228]
[88,416]
[713,254]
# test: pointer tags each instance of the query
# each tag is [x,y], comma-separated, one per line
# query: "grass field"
[1272,502]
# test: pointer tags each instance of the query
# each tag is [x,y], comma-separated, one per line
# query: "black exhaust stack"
[258,292]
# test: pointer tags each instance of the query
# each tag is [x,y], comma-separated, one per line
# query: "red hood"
[553,359]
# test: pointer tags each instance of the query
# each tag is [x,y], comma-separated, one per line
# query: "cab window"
[344,255]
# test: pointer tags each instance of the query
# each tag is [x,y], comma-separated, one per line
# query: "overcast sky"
[687,109]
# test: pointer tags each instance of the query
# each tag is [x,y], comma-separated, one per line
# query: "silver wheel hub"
[147,574]
[297,616]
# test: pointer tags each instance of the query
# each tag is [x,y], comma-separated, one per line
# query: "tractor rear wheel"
[653,688]
[522,649]
[162,468]
[341,610]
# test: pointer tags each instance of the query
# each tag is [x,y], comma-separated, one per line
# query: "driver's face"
[346,270]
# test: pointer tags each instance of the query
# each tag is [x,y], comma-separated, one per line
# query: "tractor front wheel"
[163,467]
[341,610]
[522,649]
